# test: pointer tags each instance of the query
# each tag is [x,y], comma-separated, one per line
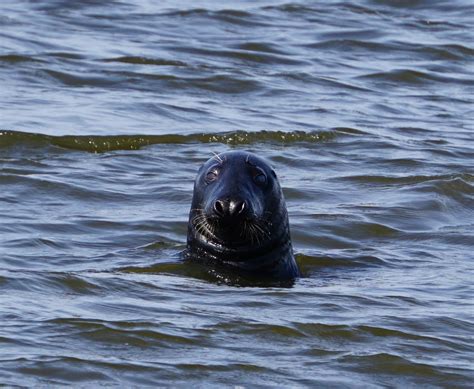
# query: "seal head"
[238,217]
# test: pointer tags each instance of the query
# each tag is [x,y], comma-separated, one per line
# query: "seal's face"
[237,208]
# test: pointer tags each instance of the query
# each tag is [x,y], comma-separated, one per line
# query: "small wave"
[43,185]
[16,58]
[392,364]
[262,330]
[440,52]
[308,263]
[145,61]
[222,83]
[65,55]
[229,16]
[100,144]
[291,8]
[408,180]
[448,52]
[79,80]
[177,268]
[219,82]
[350,44]
[139,334]
[245,53]
[263,47]
[415,77]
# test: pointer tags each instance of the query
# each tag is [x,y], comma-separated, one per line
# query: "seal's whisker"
[252,233]
[243,232]
[217,157]
[199,217]
[198,220]
[257,234]
[249,231]
[202,224]
[265,230]
[258,227]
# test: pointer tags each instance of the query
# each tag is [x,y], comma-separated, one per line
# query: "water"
[365,110]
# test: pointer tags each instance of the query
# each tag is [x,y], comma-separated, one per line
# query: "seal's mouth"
[246,232]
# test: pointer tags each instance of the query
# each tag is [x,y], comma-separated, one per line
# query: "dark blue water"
[364,108]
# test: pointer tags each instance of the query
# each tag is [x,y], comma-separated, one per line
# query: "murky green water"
[107,109]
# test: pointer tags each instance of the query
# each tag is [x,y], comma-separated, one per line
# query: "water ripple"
[134,142]
[108,110]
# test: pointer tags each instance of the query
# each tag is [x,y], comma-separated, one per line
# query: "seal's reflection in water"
[238,223]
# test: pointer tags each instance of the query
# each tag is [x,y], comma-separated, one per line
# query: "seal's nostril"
[219,208]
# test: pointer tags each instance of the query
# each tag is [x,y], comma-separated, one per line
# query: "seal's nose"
[230,208]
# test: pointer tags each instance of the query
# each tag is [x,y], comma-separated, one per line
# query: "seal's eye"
[211,175]
[260,179]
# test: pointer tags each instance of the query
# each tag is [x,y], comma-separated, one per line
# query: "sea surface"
[364,108]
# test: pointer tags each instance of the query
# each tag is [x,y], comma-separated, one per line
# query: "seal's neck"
[278,263]
[273,260]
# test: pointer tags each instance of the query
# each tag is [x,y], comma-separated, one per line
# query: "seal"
[238,218]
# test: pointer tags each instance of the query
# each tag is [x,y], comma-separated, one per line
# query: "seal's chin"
[241,233]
